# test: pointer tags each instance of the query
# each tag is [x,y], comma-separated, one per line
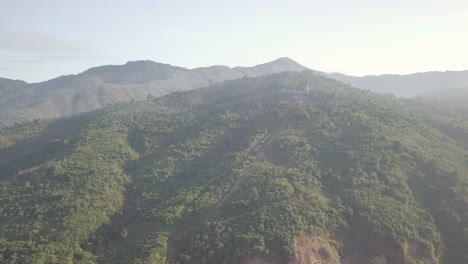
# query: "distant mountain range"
[407,85]
[457,96]
[100,86]
[136,80]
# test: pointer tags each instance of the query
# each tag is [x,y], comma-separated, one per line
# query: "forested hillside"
[287,168]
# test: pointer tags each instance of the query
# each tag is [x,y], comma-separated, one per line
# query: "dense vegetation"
[235,173]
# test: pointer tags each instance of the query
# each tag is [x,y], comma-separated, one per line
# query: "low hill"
[254,170]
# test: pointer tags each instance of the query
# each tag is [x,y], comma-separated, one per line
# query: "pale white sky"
[42,39]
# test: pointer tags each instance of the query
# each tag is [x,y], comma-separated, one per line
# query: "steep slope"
[407,85]
[100,86]
[254,170]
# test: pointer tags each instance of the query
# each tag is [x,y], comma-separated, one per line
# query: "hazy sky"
[41,39]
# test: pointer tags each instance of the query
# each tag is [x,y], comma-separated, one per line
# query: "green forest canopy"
[237,171]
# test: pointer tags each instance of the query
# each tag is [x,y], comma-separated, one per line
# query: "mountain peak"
[284,59]
[286,62]
[144,63]
[279,65]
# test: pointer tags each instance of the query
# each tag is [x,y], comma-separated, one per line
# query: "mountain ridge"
[407,85]
[135,80]
[103,85]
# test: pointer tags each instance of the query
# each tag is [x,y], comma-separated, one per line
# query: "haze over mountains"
[458,96]
[100,86]
[408,85]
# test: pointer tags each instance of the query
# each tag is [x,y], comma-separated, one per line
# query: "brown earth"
[309,249]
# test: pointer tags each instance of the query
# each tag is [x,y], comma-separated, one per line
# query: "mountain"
[100,86]
[407,85]
[285,168]
[8,86]
[276,66]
